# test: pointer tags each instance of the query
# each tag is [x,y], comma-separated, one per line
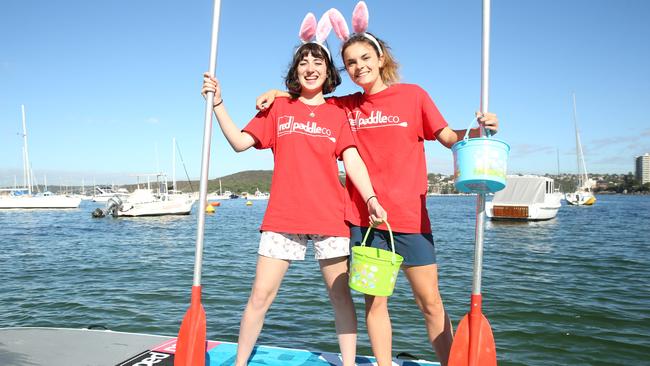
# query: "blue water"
[574,290]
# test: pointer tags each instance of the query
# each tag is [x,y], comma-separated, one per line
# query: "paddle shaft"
[480,201]
[205,160]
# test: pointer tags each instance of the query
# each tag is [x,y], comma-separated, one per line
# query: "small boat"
[147,202]
[101,347]
[583,196]
[257,195]
[216,196]
[526,197]
[104,193]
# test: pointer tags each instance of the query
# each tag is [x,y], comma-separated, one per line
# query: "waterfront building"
[642,172]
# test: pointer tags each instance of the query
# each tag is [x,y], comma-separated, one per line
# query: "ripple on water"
[568,291]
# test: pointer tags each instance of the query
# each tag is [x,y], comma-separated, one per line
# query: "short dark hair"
[293,83]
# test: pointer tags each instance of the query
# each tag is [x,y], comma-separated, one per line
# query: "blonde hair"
[389,73]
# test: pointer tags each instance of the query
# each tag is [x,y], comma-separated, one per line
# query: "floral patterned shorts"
[293,246]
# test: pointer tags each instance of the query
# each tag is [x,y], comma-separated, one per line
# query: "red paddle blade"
[191,342]
[473,343]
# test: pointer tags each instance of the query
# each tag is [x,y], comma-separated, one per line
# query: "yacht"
[583,196]
[257,195]
[152,201]
[526,197]
[104,193]
[25,197]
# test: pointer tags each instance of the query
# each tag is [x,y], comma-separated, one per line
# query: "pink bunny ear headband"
[359,24]
[311,32]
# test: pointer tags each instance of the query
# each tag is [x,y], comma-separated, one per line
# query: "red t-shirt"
[306,194]
[390,128]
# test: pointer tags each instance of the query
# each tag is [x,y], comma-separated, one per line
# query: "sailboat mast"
[174,164]
[28,174]
[582,167]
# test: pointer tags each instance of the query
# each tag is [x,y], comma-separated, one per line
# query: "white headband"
[374,41]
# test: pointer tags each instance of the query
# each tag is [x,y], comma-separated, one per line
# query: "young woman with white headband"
[307,135]
[390,122]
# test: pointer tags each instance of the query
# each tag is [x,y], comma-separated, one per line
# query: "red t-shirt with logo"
[306,194]
[390,128]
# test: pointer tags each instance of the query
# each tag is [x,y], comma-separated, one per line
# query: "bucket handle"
[390,235]
[488,133]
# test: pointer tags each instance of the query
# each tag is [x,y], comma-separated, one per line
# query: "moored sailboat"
[25,197]
[583,196]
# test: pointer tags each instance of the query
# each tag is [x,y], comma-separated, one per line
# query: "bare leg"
[424,282]
[268,277]
[335,275]
[379,329]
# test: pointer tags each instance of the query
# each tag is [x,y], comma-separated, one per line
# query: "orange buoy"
[215,204]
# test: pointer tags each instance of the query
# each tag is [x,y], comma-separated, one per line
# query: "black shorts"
[417,249]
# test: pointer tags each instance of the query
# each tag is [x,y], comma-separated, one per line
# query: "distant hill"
[246,181]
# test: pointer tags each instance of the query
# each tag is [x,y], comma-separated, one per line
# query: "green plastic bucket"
[373,271]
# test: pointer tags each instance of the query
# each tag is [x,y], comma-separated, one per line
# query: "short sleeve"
[432,119]
[262,127]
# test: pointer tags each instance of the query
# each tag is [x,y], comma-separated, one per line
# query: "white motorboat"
[583,196]
[25,197]
[527,197]
[257,195]
[150,202]
[104,193]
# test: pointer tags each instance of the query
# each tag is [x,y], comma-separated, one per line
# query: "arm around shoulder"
[265,100]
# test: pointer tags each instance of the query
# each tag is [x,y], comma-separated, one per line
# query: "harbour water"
[570,291]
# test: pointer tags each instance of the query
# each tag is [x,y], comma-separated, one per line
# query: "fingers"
[488,120]
[377,214]
[210,84]
[375,221]
[261,103]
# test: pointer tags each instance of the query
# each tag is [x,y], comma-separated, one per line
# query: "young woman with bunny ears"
[390,122]
[307,135]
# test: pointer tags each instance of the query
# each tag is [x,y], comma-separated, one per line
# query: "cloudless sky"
[108,84]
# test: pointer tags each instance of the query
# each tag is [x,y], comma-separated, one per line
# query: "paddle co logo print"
[150,358]
[288,125]
[375,120]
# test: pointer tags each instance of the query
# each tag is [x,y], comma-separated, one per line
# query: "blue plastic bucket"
[480,165]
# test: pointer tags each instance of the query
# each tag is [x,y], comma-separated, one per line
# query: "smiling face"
[312,73]
[363,65]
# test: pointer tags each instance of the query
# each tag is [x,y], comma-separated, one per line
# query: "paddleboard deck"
[65,347]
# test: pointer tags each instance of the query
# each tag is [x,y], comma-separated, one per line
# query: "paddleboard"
[65,347]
